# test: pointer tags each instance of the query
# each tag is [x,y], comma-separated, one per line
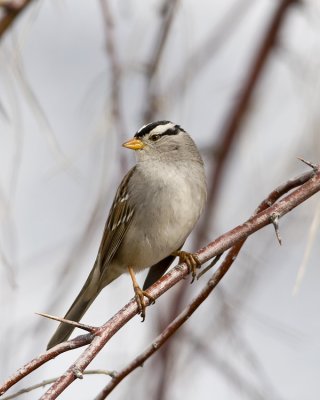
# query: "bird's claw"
[191,260]
[140,300]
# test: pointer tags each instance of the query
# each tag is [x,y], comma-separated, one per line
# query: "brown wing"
[119,220]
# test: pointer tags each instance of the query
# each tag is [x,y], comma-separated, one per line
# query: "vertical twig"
[151,97]
[116,76]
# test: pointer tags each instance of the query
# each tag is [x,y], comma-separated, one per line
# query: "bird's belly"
[162,229]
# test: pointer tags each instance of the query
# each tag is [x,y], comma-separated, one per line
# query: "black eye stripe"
[171,131]
[174,131]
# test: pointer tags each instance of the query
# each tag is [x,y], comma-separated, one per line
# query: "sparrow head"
[158,139]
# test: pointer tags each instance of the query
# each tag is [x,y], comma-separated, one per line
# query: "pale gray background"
[59,161]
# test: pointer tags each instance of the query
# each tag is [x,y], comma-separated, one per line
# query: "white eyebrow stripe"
[160,129]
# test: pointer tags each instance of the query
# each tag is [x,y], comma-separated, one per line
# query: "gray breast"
[168,202]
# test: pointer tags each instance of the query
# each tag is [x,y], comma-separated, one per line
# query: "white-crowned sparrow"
[155,208]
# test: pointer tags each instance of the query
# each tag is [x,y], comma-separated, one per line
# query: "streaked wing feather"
[118,222]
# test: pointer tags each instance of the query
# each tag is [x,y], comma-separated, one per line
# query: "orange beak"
[134,144]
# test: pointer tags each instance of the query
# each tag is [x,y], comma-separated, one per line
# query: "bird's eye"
[155,137]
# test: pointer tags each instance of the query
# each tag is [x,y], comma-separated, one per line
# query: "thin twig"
[43,358]
[116,75]
[49,381]
[151,96]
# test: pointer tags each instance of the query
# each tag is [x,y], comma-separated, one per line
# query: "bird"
[156,206]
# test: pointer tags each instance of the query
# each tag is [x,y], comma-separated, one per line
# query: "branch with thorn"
[301,188]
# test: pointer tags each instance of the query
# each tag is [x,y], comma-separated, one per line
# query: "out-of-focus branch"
[227,368]
[51,380]
[12,9]
[314,229]
[216,39]
[310,184]
[42,359]
[116,74]
[151,98]
[113,58]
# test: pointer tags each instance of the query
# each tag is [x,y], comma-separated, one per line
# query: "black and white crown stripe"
[160,127]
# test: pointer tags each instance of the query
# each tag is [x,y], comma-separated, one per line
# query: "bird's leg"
[190,259]
[140,295]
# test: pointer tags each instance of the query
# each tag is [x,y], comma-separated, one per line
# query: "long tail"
[85,298]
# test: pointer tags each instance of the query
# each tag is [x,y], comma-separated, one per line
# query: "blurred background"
[242,77]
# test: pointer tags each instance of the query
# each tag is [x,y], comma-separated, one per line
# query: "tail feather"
[75,313]
[95,282]
[85,298]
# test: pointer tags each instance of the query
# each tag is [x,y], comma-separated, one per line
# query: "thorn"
[309,163]
[87,328]
[275,222]
[77,373]
[213,263]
